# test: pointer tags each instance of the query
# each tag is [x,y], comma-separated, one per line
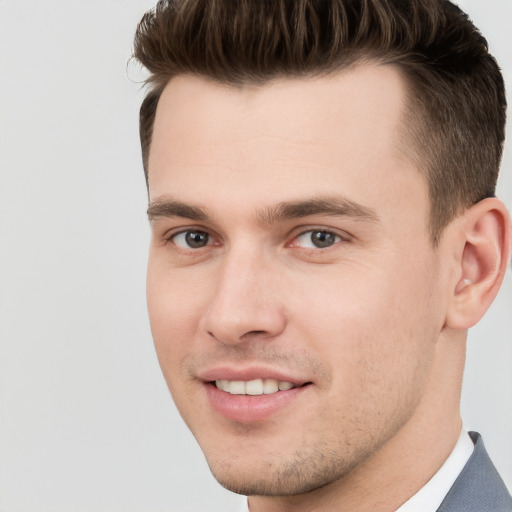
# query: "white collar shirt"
[432,494]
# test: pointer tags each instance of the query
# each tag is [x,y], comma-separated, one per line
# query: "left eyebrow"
[334,206]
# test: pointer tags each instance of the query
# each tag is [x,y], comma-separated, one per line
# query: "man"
[321,180]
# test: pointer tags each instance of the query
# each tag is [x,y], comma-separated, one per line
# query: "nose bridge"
[245,302]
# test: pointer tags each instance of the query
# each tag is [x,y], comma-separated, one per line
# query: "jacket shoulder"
[479,487]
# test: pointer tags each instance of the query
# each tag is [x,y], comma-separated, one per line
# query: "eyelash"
[170,239]
[319,231]
[338,238]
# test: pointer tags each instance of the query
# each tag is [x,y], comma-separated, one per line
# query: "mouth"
[255,387]
[253,394]
[255,400]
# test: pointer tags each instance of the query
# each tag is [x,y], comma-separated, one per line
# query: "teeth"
[237,387]
[285,386]
[253,387]
[270,386]
[222,384]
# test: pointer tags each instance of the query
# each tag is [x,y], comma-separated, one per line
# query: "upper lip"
[248,374]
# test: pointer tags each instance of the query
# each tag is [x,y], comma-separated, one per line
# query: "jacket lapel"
[479,488]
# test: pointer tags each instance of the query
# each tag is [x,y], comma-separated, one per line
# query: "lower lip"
[247,408]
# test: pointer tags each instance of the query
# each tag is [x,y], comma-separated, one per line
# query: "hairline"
[410,130]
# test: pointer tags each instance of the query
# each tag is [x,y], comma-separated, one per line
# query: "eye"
[316,239]
[191,239]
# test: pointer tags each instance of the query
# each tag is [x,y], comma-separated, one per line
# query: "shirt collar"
[431,495]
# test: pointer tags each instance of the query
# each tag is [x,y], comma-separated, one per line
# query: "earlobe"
[483,259]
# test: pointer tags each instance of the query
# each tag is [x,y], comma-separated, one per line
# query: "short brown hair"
[456,96]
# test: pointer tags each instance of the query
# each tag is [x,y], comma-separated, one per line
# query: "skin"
[366,321]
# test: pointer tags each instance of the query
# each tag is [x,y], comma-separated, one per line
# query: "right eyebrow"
[170,208]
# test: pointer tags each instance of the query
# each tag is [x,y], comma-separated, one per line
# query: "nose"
[246,301]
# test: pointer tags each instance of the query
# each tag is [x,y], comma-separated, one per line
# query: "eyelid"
[183,234]
[168,234]
[303,230]
[215,240]
[172,233]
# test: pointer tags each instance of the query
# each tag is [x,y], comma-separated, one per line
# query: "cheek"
[379,368]
[372,326]
[173,314]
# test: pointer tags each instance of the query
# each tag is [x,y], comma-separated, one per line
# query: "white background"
[86,423]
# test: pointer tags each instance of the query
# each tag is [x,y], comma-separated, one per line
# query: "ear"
[483,256]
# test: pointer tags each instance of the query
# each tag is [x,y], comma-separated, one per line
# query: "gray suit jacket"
[478,488]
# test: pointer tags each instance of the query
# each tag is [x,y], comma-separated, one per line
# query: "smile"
[253,400]
[253,387]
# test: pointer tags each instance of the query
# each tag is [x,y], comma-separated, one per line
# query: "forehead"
[366,97]
[282,139]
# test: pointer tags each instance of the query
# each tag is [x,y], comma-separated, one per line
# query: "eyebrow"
[171,208]
[335,206]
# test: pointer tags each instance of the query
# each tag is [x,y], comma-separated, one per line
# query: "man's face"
[290,249]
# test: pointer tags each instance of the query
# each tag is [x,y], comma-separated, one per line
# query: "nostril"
[255,333]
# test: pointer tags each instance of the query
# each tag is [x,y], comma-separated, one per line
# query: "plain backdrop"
[86,422]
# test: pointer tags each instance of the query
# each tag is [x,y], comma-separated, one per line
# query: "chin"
[300,475]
